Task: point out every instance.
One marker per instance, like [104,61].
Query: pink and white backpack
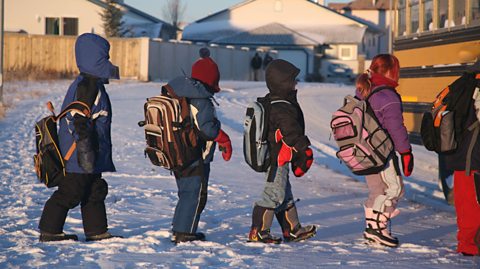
[364,145]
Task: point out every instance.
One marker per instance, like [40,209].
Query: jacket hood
[92,56]
[190,88]
[280,77]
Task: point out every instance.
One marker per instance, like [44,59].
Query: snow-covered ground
[142,197]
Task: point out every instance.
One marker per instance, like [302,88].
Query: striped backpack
[364,146]
[170,132]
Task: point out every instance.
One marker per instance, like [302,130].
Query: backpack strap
[475,127]
[75,106]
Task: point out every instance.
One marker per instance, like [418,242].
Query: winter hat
[280,77]
[206,70]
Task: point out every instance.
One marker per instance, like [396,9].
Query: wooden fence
[57,54]
[138,58]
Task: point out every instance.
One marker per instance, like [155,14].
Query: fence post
[144,59]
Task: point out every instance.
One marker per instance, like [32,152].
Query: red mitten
[224,145]
[407,162]
[303,161]
[285,154]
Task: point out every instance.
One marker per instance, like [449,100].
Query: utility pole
[1,54]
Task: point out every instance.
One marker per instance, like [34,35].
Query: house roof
[132,10]
[273,34]
[362,5]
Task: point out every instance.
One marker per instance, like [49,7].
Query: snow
[142,197]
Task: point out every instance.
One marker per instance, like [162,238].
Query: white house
[373,11]
[74,17]
[312,36]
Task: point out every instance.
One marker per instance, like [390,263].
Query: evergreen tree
[112,19]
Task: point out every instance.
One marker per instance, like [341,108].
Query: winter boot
[291,229]
[49,237]
[187,237]
[103,236]
[377,224]
[261,222]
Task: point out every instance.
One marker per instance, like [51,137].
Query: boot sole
[279,241]
[375,239]
[58,239]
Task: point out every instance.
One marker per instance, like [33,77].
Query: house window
[346,52]
[70,26]
[52,26]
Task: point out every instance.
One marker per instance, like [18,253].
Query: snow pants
[192,186]
[385,188]
[88,190]
[468,213]
[277,193]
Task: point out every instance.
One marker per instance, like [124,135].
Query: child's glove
[407,162]
[224,145]
[302,162]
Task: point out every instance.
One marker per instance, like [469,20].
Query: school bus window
[459,17]
[475,15]
[414,16]
[428,15]
[402,14]
[443,13]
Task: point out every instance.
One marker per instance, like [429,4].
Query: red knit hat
[206,70]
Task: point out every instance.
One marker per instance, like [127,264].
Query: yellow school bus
[435,42]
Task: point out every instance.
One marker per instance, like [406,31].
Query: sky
[196,9]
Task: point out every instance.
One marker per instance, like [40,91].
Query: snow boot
[103,236]
[49,237]
[187,237]
[377,224]
[261,222]
[291,229]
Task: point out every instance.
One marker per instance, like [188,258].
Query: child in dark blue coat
[85,144]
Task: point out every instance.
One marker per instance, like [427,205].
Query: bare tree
[174,11]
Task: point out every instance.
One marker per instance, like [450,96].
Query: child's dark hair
[384,64]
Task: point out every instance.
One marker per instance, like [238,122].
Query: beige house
[74,17]
[373,11]
[314,37]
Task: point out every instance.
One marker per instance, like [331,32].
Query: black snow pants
[88,190]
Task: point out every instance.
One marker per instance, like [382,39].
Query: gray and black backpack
[255,132]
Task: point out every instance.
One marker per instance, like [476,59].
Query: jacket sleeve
[87,92]
[285,118]
[205,118]
[393,122]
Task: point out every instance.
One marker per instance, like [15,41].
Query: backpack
[444,124]
[255,132]
[364,146]
[170,131]
[48,160]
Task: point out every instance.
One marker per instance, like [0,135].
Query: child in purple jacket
[386,187]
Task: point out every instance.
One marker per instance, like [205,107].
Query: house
[314,37]
[56,17]
[373,11]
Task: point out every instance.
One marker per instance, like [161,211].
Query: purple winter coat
[388,109]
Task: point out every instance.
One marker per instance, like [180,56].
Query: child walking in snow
[465,162]
[192,182]
[377,85]
[288,144]
[86,146]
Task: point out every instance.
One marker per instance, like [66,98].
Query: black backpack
[49,162]
[445,123]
